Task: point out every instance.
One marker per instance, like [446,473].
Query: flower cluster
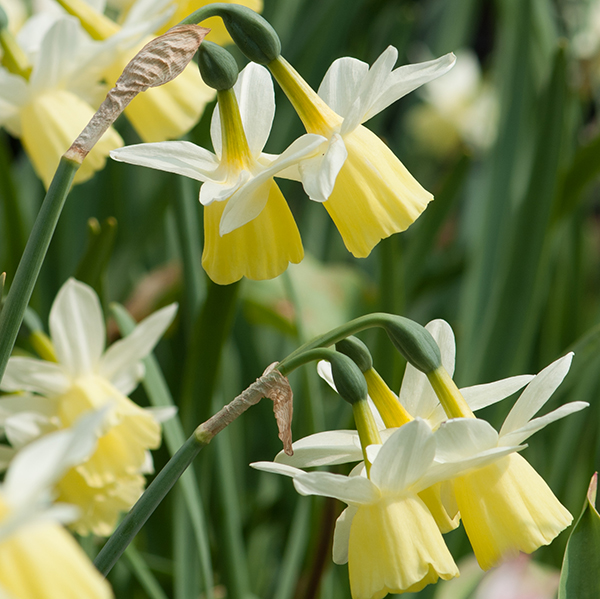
[428,472]
[82,377]
[57,69]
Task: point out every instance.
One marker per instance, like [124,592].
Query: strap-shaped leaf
[579,576]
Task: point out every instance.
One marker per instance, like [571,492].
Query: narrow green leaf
[579,576]
[143,573]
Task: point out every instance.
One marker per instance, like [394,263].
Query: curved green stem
[31,262]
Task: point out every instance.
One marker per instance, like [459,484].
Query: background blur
[508,253]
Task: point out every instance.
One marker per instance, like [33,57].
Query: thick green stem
[33,257]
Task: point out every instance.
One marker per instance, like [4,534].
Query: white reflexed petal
[441,471]
[536,394]
[77,327]
[323,449]
[219,191]
[443,334]
[275,468]
[123,355]
[249,200]
[179,157]
[324,371]
[341,84]
[481,396]
[24,427]
[256,100]
[372,84]
[459,438]
[14,405]
[39,465]
[405,79]
[147,466]
[244,206]
[533,426]
[162,414]
[341,535]
[417,394]
[404,457]
[318,174]
[353,491]
[126,381]
[37,376]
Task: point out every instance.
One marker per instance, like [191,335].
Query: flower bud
[349,380]
[357,351]
[252,34]
[415,343]
[218,67]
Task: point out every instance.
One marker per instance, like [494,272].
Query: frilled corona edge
[157,63]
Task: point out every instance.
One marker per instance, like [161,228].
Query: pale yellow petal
[507,507]
[432,499]
[42,561]
[218,33]
[260,249]
[168,111]
[100,506]
[374,195]
[50,123]
[396,546]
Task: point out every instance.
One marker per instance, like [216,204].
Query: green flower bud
[415,343]
[218,67]
[252,34]
[357,351]
[349,380]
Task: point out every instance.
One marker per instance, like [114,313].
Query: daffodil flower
[48,107]
[248,227]
[387,535]
[367,191]
[39,559]
[86,377]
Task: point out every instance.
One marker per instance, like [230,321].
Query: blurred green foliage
[508,253]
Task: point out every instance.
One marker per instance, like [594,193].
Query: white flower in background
[387,535]
[48,107]
[248,227]
[458,107]
[39,559]
[87,377]
[367,191]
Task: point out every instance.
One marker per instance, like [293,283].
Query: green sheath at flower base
[355,349]
[349,380]
[414,342]
[252,34]
[217,67]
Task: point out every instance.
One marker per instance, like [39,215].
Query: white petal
[536,394]
[481,396]
[23,428]
[219,191]
[371,88]
[162,414]
[19,403]
[342,82]
[126,381]
[37,376]
[459,438]
[324,371]
[40,464]
[318,174]
[180,157]
[323,449]
[124,354]
[416,393]
[440,471]
[406,79]
[275,468]
[341,535]
[77,327]
[352,490]
[256,99]
[248,201]
[533,426]
[404,457]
